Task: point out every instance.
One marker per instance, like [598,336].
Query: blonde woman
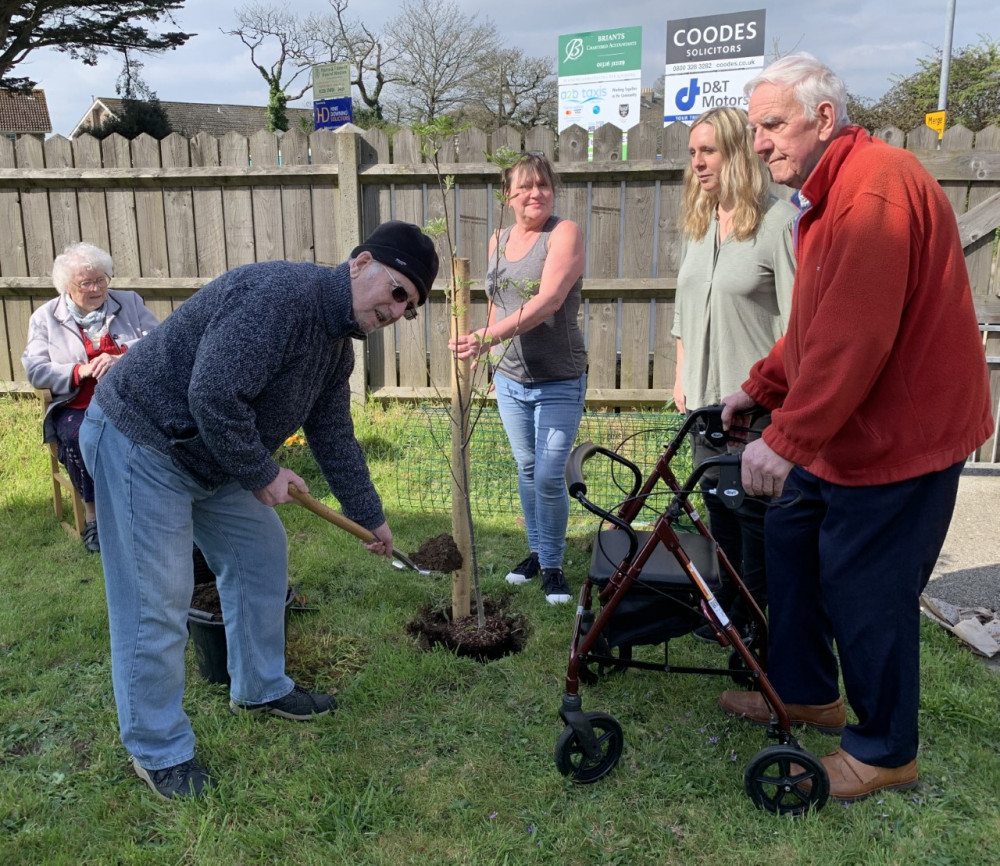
[734,291]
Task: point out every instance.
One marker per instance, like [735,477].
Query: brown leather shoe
[851,780]
[825,718]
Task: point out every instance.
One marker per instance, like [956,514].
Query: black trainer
[525,570]
[89,537]
[554,586]
[182,780]
[747,633]
[298,705]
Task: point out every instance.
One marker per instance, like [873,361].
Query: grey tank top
[551,351]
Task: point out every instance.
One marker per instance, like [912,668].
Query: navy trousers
[847,565]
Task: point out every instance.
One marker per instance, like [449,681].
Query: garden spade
[400,560]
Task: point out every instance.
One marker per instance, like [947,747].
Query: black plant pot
[208,635]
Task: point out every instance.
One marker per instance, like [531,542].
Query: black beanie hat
[405,248]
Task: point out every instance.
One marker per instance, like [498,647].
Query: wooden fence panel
[63,208]
[209,213]
[323,202]
[473,206]
[122,223]
[268,233]
[639,230]
[37,220]
[178,215]
[13,261]
[408,205]
[194,209]
[237,203]
[91,201]
[178,211]
[981,255]
[957,191]
[296,202]
[376,207]
[149,215]
[664,350]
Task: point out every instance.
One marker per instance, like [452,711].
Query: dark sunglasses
[401,296]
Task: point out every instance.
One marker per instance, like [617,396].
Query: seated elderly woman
[73,340]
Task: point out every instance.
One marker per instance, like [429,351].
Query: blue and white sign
[332,95]
[709,62]
[331,113]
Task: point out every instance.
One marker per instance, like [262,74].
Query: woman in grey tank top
[534,283]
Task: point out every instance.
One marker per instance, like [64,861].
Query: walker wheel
[786,780]
[571,759]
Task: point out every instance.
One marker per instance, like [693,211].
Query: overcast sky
[866,43]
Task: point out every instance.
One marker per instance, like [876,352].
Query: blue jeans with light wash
[541,421]
[150,512]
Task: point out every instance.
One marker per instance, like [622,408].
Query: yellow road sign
[935,120]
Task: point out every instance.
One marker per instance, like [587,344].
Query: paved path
[968,570]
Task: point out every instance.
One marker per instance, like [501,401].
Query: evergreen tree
[83,30]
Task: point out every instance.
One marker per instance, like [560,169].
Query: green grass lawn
[431,758]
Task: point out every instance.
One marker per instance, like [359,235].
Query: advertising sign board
[600,75]
[332,95]
[709,61]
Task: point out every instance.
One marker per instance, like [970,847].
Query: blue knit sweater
[253,356]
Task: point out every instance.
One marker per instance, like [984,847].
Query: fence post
[349,191]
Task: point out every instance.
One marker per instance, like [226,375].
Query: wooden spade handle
[328,514]
[338,519]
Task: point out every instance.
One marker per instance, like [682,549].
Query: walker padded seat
[662,603]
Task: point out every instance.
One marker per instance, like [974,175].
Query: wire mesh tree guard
[423,480]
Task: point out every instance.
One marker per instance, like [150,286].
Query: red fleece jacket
[881,375]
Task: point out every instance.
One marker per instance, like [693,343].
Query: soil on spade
[503,633]
[439,554]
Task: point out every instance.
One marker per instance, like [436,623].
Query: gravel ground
[968,571]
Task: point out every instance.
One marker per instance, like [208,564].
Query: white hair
[77,257]
[813,82]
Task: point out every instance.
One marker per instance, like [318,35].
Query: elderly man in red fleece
[878,393]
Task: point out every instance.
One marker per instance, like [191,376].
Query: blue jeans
[848,564]
[541,421]
[150,514]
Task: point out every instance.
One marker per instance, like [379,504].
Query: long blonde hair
[744,177]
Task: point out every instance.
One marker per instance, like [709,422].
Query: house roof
[24,112]
[190,118]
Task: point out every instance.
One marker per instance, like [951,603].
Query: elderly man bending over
[179,439]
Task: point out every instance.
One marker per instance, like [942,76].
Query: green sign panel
[600,51]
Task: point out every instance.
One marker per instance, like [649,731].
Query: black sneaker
[89,537]
[298,705]
[705,633]
[554,586]
[182,780]
[747,633]
[524,570]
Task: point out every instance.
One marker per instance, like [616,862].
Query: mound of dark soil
[502,634]
[438,554]
[206,599]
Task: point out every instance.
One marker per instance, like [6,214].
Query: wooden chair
[61,483]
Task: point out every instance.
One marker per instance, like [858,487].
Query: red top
[107,346]
[881,375]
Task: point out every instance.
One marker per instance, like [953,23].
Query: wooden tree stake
[461,400]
